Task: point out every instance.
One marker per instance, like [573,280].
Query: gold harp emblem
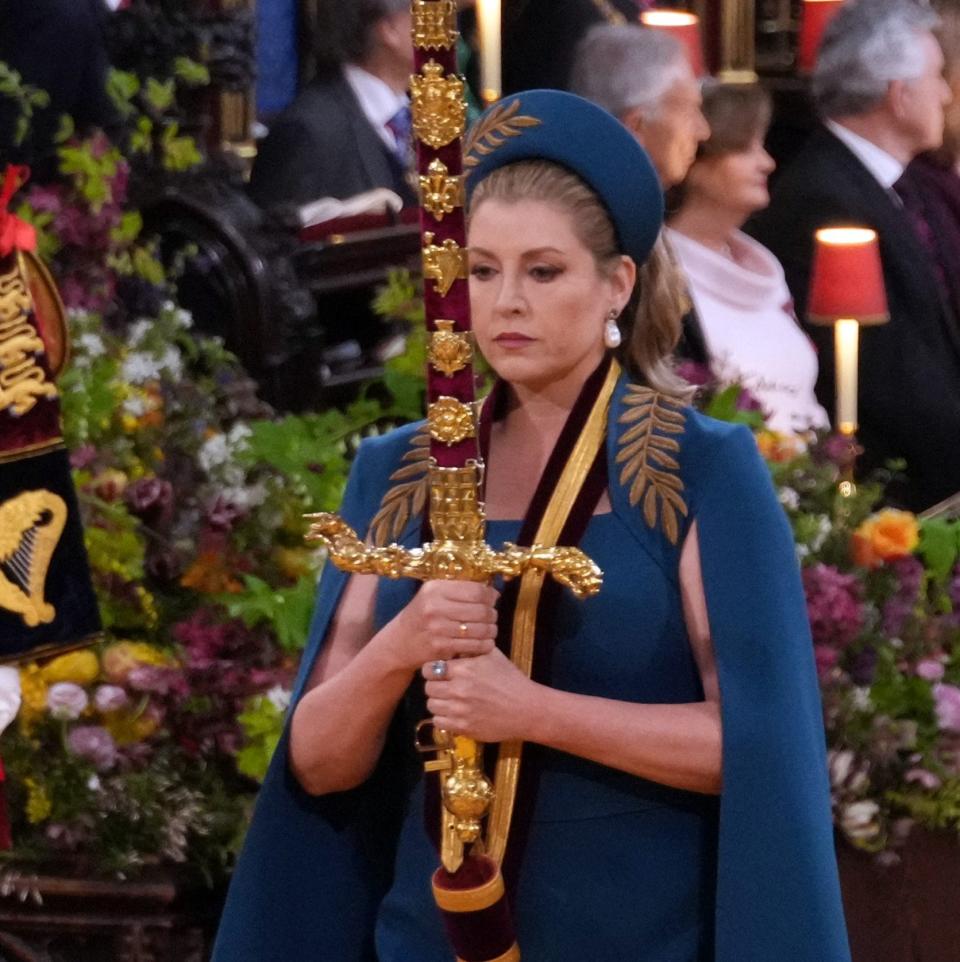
[449,351]
[30,527]
[450,420]
[440,192]
[439,110]
[443,263]
[434,24]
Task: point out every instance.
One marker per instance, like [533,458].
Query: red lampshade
[847,278]
[685,27]
[814,17]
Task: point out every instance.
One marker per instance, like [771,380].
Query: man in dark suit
[879,89]
[348,132]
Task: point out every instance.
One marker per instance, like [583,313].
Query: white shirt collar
[377,101]
[884,167]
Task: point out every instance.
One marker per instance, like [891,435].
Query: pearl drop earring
[611,332]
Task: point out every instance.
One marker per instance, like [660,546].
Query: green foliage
[262,723]
[723,407]
[191,73]
[179,153]
[939,545]
[27,98]
[90,171]
[938,810]
[286,610]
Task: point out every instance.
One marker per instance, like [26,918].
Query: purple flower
[839,449]
[157,680]
[93,744]
[83,456]
[748,401]
[222,514]
[694,373]
[826,659]
[150,499]
[864,667]
[66,700]
[929,669]
[947,698]
[110,698]
[898,608]
[833,605]
[922,777]
[163,564]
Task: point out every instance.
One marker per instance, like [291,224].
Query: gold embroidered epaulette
[647,450]
[407,495]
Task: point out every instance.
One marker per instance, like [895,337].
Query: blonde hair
[652,321]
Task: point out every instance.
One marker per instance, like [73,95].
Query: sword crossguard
[452,560]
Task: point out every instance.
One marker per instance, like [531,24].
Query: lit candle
[488,28]
[847,351]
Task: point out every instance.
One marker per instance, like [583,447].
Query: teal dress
[615,867]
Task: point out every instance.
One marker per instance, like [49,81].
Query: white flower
[840,763]
[213,452]
[789,498]
[183,319]
[172,363]
[859,820]
[135,405]
[860,697]
[66,701]
[279,697]
[93,783]
[801,551]
[139,368]
[820,535]
[138,331]
[245,497]
[238,435]
[90,344]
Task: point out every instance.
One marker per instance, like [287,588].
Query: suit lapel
[371,152]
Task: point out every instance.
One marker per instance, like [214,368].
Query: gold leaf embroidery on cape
[407,497]
[648,455]
[488,133]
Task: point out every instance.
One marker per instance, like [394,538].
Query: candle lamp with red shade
[847,292]
[814,17]
[685,27]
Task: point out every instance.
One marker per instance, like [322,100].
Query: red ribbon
[15,233]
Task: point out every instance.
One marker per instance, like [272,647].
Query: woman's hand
[445,620]
[487,698]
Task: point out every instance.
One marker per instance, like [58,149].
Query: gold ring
[463,630]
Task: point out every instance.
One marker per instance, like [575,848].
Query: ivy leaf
[122,87]
[179,153]
[192,74]
[159,94]
[939,546]
[65,130]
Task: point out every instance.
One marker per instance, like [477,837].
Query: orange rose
[778,447]
[884,536]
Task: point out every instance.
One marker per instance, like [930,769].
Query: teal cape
[314,870]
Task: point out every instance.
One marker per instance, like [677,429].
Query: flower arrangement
[147,748]
[883,595]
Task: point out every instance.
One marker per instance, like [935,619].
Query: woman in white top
[737,285]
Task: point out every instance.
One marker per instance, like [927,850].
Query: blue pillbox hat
[560,127]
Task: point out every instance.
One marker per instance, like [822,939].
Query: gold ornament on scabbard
[438,106]
[451,421]
[434,24]
[440,192]
[443,263]
[449,351]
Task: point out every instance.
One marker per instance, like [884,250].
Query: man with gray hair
[349,130]
[880,94]
[644,79]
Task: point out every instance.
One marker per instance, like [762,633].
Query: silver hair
[623,67]
[868,44]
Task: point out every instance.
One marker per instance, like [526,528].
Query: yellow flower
[128,726]
[80,667]
[121,658]
[777,447]
[33,695]
[884,536]
[39,805]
